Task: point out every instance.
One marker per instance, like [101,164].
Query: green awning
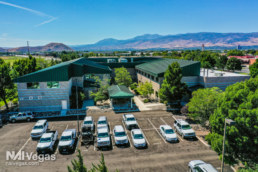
[119,91]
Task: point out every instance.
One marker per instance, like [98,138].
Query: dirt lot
[159,156]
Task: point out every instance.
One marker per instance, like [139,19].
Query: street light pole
[223,148]
[230,122]
[78,130]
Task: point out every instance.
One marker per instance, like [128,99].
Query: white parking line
[127,134]
[157,131]
[66,126]
[179,137]
[146,139]
[110,129]
[24,144]
[203,141]
[148,129]
[163,120]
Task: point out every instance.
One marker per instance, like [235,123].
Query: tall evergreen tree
[5,81]
[172,89]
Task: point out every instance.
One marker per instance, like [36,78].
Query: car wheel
[13,120]
[28,119]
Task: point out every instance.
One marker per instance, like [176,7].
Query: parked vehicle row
[48,140]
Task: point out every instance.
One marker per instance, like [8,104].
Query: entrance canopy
[119,91]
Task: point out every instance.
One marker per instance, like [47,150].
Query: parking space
[160,155]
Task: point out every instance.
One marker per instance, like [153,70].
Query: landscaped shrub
[146,100]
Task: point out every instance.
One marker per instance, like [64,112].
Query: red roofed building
[245,59]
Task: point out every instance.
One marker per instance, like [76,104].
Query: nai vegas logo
[23,158]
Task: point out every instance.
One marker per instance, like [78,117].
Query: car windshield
[131,119]
[169,131]
[87,122]
[120,134]
[186,127]
[102,122]
[138,136]
[45,140]
[66,138]
[100,135]
[37,127]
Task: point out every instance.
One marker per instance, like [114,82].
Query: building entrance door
[64,104]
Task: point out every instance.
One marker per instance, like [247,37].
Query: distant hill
[45,48]
[2,50]
[179,41]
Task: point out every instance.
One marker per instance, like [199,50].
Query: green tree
[123,77]
[234,64]
[221,62]
[203,103]
[101,167]
[254,69]
[102,93]
[235,53]
[145,89]
[172,89]
[6,83]
[78,165]
[239,103]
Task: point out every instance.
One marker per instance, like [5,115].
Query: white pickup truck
[67,141]
[130,121]
[47,142]
[184,129]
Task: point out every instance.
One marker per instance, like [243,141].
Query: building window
[33,85]
[52,84]
[30,98]
[152,78]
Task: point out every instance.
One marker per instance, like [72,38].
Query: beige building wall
[155,85]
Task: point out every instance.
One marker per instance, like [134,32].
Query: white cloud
[50,18]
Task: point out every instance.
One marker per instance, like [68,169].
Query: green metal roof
[64,71]
[119,91]
[157,68]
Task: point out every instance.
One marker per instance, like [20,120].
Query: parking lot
[159,156]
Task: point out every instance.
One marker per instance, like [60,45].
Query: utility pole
[230,122]
[78,130]
[28,48]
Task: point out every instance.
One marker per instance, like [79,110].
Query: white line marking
[66,126]
[163,120]
[173,117]
[233,168]
[157,143]
[179,137]
[110,129]
[146,138]
[149,129]
[127,134]
[24,144]
[203,141]
[94,148]
[157,131]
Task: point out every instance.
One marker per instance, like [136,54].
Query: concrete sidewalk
[148,106]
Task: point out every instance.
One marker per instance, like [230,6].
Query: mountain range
[46,48]
[155,41]
[179,41]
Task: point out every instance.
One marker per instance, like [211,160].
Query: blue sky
[75,22]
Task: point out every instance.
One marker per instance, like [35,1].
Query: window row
[153,78]
[35,85]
